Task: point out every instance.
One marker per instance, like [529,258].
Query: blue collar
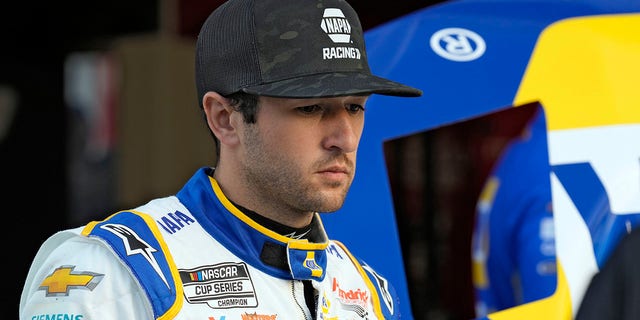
[275,254]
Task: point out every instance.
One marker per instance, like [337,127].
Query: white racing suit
[196,256]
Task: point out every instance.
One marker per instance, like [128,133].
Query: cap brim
[333,85]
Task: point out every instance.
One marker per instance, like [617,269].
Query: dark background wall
[35,39]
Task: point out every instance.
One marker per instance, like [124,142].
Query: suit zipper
[302,307]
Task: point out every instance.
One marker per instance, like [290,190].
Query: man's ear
[218,111]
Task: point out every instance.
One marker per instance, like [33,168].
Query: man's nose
[344,132]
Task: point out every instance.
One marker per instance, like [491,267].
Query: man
[513,246]
[282,84]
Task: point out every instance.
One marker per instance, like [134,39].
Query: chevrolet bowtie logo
[61,280]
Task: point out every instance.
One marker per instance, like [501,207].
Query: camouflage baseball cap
[289,49]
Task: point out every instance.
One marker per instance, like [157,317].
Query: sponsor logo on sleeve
[56,316]
[332,249]
[174,222]
[220,286]
[64,278]
[135,245]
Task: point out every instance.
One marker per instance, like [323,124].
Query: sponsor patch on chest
[221,286]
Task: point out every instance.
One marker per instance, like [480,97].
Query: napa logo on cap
[337,27]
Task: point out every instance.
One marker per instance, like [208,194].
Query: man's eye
[310,109]
[355,108]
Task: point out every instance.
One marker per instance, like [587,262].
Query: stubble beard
[274,177]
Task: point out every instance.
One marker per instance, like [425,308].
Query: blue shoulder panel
[140,245]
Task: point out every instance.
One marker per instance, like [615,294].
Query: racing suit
[197,256]
[513,246]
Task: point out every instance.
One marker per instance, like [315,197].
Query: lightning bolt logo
[135,245]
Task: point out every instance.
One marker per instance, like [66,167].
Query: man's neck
[240,196]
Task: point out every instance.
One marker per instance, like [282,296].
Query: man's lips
[335,170]
[335,174]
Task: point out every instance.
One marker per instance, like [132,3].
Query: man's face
[301,153]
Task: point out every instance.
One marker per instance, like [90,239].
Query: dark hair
[242,102]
